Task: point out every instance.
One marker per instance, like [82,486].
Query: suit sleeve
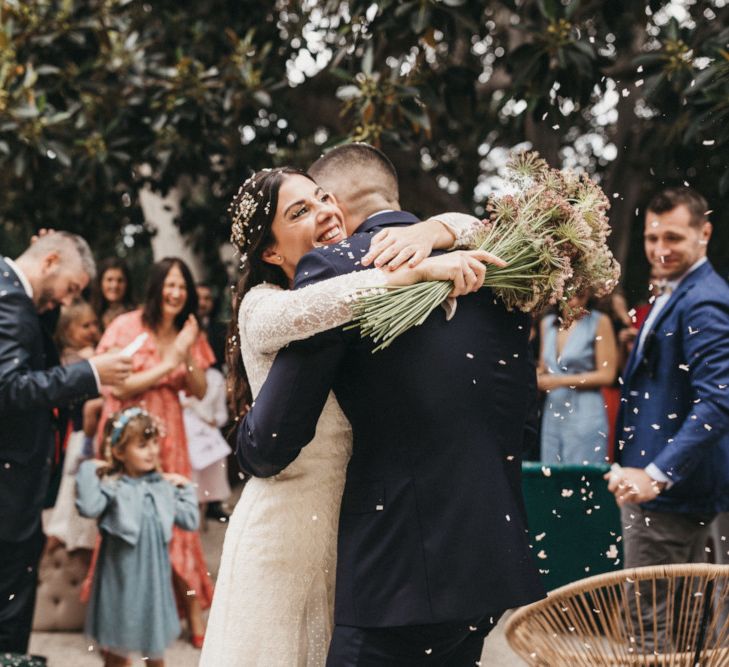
[530,440]
[706,350]
[21,387]
[284,415]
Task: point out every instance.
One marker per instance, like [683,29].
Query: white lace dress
[273,602]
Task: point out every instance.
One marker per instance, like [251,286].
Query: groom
[432,535]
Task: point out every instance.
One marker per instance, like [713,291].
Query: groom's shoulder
[330,261]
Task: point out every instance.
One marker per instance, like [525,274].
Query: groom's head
[361,177]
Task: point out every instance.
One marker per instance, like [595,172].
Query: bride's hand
[465,268]
[394,246]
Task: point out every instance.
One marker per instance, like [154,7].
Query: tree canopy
[101,97]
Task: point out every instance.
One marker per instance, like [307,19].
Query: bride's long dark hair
[260,193]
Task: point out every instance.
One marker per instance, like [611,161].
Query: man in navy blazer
[673,423]
[50,272]
[433,542]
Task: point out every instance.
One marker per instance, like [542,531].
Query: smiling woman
[173,358]
[307,217]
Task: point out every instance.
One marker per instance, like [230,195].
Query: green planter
[574,522]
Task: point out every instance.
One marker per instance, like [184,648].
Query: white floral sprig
[553,236]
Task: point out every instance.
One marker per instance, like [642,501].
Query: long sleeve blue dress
[132,606]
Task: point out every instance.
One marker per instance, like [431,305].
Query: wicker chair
[617,619]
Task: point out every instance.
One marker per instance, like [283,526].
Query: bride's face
[306,217]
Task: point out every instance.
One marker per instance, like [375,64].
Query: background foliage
[100,97]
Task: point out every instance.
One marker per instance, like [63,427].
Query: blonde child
[132,606]
[77,334]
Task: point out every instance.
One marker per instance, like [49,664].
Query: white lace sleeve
[271,318]
[466,228]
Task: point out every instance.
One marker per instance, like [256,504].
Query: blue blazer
[29,389]
[674,409]
[432,526]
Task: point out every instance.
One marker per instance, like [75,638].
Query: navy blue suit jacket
[674,410]
[29,389]
[432,525]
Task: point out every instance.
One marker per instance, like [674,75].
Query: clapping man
[52,271]
[673,424]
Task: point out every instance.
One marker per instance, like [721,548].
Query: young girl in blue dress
[132,606]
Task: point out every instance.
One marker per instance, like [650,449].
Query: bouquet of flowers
[553,235]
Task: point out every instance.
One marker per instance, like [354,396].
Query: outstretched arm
[271,318]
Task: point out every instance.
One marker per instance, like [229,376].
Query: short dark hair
[353,156]
[669,198]
[152,311]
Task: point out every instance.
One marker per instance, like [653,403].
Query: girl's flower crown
[121,422]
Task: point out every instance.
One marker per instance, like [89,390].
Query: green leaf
[571,8]
[367,60]
[420,19]
[585,49]
[549,8]
[649,59]
[60,152]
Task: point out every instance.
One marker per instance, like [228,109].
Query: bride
[273,599]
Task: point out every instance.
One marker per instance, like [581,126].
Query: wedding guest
[615,306]
[575,364]
[132,606]
[111,294]
[673,426]
[77,334]
[208,449]
[172,358]
[207,314]
[52,271]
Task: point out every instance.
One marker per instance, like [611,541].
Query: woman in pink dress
[173,358]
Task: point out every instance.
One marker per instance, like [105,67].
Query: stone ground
[72,649]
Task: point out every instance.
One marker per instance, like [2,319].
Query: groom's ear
[270,256]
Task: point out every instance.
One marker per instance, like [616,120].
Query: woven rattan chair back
[663,616]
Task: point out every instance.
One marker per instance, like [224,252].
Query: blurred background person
[173,358]
[111,294]
[208,449]
[77,335]
[627,336]
[207,314]
[575,364]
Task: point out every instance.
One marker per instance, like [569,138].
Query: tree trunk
[160,213]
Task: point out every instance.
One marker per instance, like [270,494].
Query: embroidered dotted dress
[273,602]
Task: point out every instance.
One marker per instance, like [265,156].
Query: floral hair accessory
[242,211]
[121,422]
